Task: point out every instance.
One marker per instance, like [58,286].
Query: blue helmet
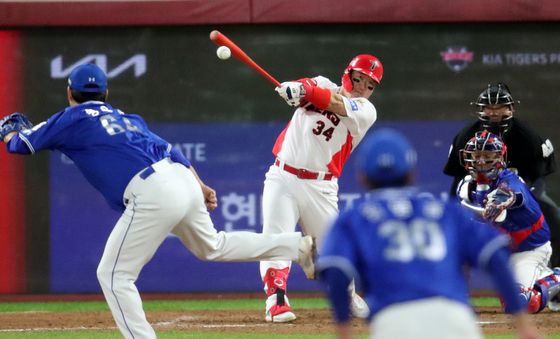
[88,78]
[386,156]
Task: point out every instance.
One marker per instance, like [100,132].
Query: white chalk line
[174,322]
[234,325]
[191,320]
[491,322]
[51,329]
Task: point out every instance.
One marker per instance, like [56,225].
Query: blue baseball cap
[88,78]
[386,156]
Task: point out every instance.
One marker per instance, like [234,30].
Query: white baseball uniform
[532,265]
[302,184]
[426,318]
[134,170]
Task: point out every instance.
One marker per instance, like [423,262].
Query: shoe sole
[281,318]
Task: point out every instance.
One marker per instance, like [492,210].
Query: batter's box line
[491,322]
[177,320]
[47,329]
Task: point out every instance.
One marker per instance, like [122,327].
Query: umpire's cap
[386,156]
[88,78]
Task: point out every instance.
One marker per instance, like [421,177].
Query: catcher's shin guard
[549,287]
[536,301]
[277,305]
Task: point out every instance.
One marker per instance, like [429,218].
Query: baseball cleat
[278,309]
[358,306]
[307,253]
[280,314]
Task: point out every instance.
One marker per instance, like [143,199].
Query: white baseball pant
[171,200]
[435,318]
[530,266]
[288,200]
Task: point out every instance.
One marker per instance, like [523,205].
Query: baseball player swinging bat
[221,40]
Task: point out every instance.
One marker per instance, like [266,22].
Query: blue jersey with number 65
[108,146]
[404,246]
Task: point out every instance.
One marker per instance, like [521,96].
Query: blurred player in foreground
[506,201]
[154,186]
[301,187]
[408,249]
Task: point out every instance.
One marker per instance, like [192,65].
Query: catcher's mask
[484,156]
[366,64]
[495,96]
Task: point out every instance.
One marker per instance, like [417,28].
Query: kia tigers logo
[457,58]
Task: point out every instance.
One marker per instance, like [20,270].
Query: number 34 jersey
[108,146]
[404,246]
[319,140]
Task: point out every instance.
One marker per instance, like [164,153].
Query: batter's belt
[303,173]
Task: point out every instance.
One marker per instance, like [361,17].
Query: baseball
[223,52]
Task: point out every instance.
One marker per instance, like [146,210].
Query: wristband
[318,96]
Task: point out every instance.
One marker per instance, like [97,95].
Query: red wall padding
[193,12]
[12,175]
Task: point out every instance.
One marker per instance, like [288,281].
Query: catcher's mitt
[498,200]
[14,122]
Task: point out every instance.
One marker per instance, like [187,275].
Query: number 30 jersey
[108,146]
[319,140]
[404,246]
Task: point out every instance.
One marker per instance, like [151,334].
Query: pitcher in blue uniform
[152,184]
[506,201]
[408,250]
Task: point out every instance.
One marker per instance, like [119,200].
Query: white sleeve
[361,114]
[325,83]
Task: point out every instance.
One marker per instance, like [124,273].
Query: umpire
[527,152]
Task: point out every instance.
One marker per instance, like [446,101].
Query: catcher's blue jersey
[525,221]
[403,247]
[108,146]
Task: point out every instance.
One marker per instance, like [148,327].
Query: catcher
[503,199]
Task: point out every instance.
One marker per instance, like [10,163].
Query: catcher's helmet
[495,95]
[386,157]
[484,156]
[366,64]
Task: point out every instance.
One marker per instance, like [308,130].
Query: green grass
[180,305]
[153,305]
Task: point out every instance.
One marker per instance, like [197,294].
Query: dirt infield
[493,321]
[309,321]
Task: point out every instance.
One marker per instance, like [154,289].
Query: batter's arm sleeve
[361,115]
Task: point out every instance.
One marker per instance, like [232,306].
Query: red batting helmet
[366,64]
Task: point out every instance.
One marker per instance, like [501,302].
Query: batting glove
[292,92]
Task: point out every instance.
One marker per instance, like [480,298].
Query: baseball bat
[222,40]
